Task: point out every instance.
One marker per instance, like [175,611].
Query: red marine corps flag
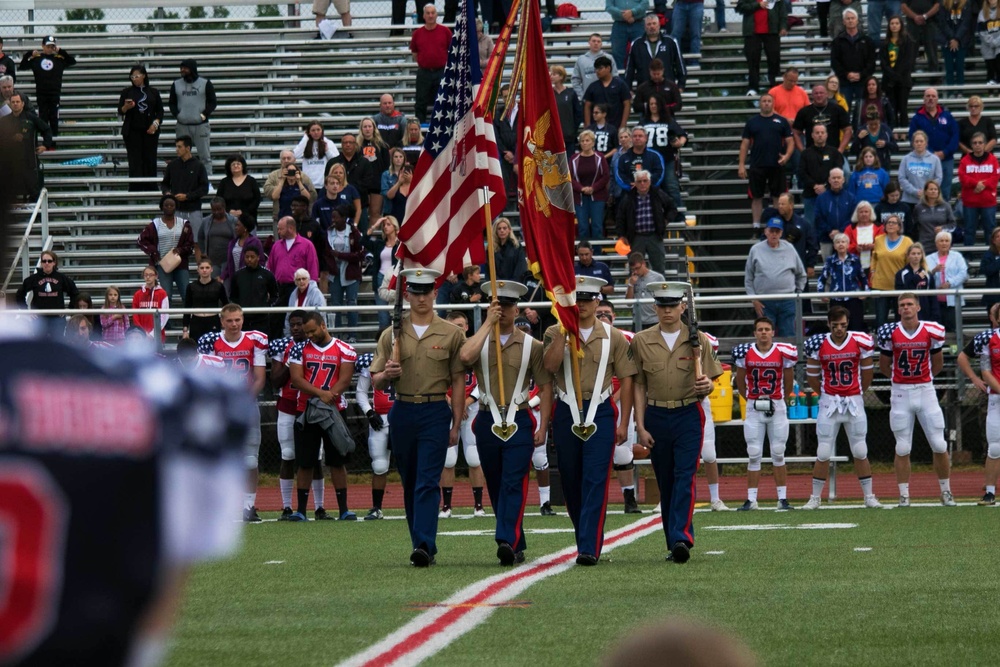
[545,192]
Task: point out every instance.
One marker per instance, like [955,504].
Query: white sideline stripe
[862,548]
[478,615]
[781,526]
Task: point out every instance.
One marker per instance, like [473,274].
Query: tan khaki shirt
[669,375]
[428,362]
[512,352]
[619,360]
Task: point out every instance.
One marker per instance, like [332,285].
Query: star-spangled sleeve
[295,356]
[813,345]
[884,337]
[206,344]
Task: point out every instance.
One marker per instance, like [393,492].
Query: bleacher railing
[39,214]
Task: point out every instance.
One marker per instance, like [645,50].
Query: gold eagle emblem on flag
[546,174]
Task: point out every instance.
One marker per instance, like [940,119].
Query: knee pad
[826,439]
[380,465]
[378,449]
[993,451]
[451,458]
[540,459]
[778,456]
[708,454]
[755,453]
[286,436]
[937,442]
[251,461]
[623,457]
[471,456]
[857,436]
[932,421]
[859,450]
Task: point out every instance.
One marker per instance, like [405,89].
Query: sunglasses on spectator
[48,261]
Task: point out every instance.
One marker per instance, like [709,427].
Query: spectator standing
[568,105]
[956,32]
[931,216]
[606,137]
[141,109]
[207,293]
[584,72]
[876,135]
[305,296]
[239,189]
[951,272]
[113,325]
[842,272]
[989,268]
[186,179]
[888,257]
[152,295]
[215,236]
[917,167]
[591,175]
[814,170]
[834,208]
[508,144]
[832,85]
[852,57]
[383,248]
[872,96]
[823,112]
[637,158]
[764,24]
[337,191]
[973,123]
[6,90]
[988,29]
[390,122]
[877,10]
[687,21]
[321,7]
[313,151]
[509,257]
[773,267]
[915,277]
[922,26]
[360,173]
[789,98]
[48,66]
[391,183]
[979,176]
[642,219]
[797,230]
[609,91]
[192,101]
[667,138]
[862,232]
[429,45]
[615,193]
[344,266]
[767,139]
[897,58]
[838,8]
[49,288]
[485,44]
[657,83]
[892,204]
[374,149]
[238,245]
[25,128]
[652,45]
[586,265]
[284,192]
[168,241]
[640,285]
[413,142]
[628,18]
[290,253]
[253,286]
[869,179]
[277,180]
[7,65]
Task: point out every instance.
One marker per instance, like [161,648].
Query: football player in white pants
[378,430]
[839,369]
[912,357]
[764,377]
[986,347]
[708,445]
[540,458]
[623,462]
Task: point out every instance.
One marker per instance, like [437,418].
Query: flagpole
[492,263]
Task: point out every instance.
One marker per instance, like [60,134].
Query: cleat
[297,516]
[250,515]
[873,503]
[988,500]
[814,503]
[420,558]
[719,506]
[479,511]
[904,501]
[586,560]
[546,509]
[680,553]
[285,513]
[747,506]
[506,554]
[322,515]
[346,516]
[947,499]
[374,514]
[631,506]
[657,509]
[783,505]
[445,513]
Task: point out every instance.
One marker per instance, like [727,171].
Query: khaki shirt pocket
[438,354]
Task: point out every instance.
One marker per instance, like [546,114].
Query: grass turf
[923,594]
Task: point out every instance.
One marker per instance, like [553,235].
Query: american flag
[445,210]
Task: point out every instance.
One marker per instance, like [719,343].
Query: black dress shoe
[586,559]
[518,557]
[420,558]
[680,553]
[506,554]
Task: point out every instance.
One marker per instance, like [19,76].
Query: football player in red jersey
[244,353]
[320,367]
[986,347]
[288,400]
[912,357]
[764,377]
[839,369]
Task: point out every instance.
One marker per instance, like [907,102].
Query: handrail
[41,208]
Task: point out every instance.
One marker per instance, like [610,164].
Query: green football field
[836,586]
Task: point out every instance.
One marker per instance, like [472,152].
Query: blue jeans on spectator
[623,34]
[851,90]
[877,10]
[590,218]
[687,17]
[973,216]
[384,316]
[947,169]
[809,210]
[782,313]
[672,185]
[345,295]
[720,14]
[179,278]
[954,65]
